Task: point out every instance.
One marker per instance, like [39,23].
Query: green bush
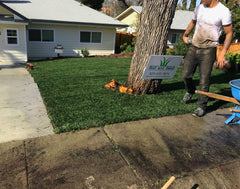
[233,58]
[125,48]
[128,48]
[170,52]
[85,52]
[180,48]
[237,57]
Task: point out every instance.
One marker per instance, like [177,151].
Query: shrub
[180,48]
[237,57]
[170,52]
[233,58]
[85,52]
[126,48]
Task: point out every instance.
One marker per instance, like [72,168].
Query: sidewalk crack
[117,149]
[26,163]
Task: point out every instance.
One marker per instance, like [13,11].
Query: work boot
[199,112]
[187,97]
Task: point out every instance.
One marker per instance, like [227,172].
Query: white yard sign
[161,67]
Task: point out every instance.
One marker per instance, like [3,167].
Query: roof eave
[137,11]
[76,23]
[12,22]
[13,11]
[176,28]
[123,13]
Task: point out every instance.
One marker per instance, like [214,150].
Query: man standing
[209,18]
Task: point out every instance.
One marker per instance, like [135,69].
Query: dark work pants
[204,59]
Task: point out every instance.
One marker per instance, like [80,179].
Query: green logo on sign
[162,66]
[164,62]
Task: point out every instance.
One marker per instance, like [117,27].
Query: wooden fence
[234,48]
[122,38]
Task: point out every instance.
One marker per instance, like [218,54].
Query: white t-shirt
[209,24]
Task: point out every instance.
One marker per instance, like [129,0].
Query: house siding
[10,54]
[132,20]
[4,11]
[170,33]
[69,38]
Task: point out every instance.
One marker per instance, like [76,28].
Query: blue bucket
[235,88]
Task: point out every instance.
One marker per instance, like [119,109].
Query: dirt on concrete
[198,152]
[83,159]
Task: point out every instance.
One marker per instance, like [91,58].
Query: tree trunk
[155,22]
[121,6]
[193,5]
[184,3]
[124,3]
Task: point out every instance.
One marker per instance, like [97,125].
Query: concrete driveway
[22,112]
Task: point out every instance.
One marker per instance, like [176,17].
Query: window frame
[7,37]
[41,30]
[90,31]
[177,38]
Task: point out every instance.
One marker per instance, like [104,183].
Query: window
[90,37]
[96,37]
[85,37]
[35,35]
[47,35]
[174,38]
[41,35]
[12,36]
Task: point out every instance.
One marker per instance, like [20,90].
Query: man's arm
[189,29]
[227,42]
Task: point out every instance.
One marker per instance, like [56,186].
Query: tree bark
[155,21]
[124,3]
[184,3]
[193,5]
[121,6]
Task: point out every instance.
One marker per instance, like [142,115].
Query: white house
[180,22]
[32,29]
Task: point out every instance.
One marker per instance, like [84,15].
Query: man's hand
[221,61]
[185,39]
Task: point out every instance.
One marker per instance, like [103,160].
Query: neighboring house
[180,22]
[31,29]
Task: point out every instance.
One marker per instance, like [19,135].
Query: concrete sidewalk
[199,152]
[22,112]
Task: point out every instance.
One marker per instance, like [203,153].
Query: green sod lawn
[74,94]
